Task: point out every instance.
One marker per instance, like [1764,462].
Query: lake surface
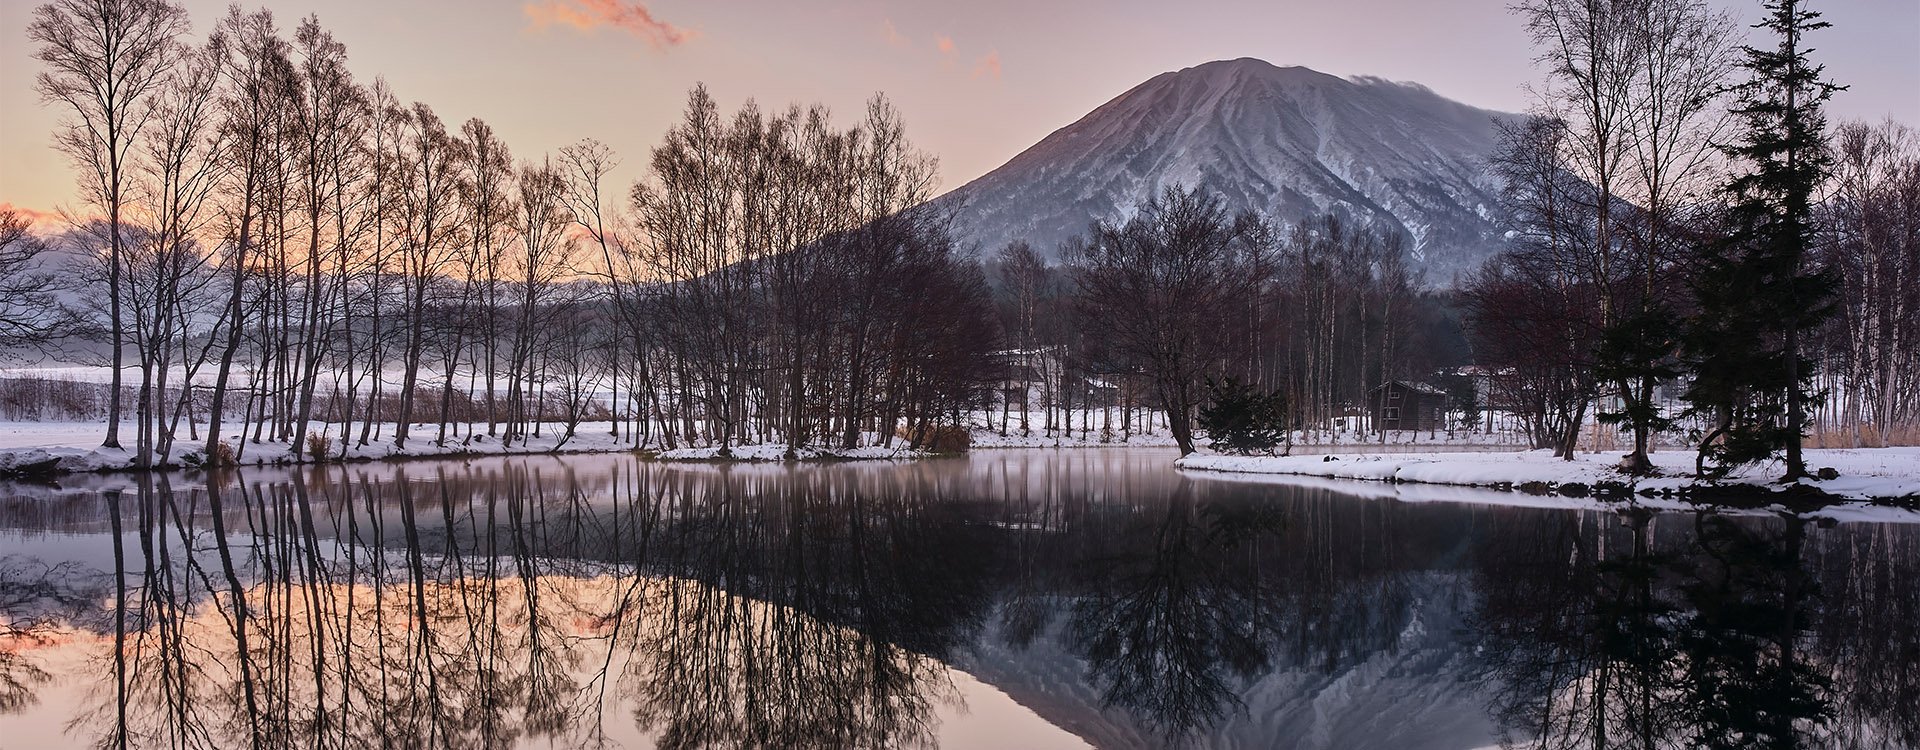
[1033,598]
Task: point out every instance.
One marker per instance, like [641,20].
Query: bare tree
[428,217]
[586,165]
[170,273]
[31,315]
[1682,53]
[1534,309]
[490,214]
[546,254]
[104,59]
[256,70]
[1152,289]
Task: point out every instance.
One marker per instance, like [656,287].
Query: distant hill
[1289,142]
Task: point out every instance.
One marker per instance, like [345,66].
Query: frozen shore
[41,448]
[74,447]
[1884,476]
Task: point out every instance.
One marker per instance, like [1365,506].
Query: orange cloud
[587,15]
[945,43]
[43,221]
[988,66]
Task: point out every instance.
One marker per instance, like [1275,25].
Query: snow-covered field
[1865,474]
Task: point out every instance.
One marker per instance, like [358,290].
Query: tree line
[1684,220]
[279,247]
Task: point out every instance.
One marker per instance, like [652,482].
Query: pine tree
[1637,351]
[1241,419]
[1756,295]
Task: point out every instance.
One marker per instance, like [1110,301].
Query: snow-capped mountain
[1289,142]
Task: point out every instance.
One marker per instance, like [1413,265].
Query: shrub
[319,446]
[938,438]
[221,455]
[1240,419]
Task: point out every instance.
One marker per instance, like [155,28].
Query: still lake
[1007,599]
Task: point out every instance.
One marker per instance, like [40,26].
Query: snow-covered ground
[75,446]
[1039,439]
[778,452]
[1865,474]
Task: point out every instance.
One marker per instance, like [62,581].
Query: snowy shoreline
[43,449]
[1877,477]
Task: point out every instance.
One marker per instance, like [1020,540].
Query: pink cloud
[944,43]
[43,221]
[628,16]
[893,36]
[988,66]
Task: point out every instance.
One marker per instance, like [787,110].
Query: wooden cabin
[1407,405]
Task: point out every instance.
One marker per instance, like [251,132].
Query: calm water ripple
[1008,599]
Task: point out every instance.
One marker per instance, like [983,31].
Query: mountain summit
[1291,143]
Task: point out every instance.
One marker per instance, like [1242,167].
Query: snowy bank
[73,447]
[1878,475]
[778,452]
[983,438]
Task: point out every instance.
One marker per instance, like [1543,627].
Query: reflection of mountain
[829,606]
[1406,695]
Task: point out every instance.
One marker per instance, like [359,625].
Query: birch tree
[104,60]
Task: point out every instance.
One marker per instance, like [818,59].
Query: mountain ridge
[1289,142]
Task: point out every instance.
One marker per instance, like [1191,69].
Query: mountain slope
[1289,142]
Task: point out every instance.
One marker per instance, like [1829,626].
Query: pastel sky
[977,81]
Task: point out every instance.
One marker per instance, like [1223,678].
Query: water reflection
[609,602]
[1700,631]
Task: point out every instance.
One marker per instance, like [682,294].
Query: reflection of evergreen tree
[1597,638]
[1577,641]
[1751,603]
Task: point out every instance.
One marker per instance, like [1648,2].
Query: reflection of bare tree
[36,601]
[1578,650]
[1869,578]
[1172,622]
[338,640]
[809,614]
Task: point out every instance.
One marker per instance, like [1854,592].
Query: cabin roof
[1414,385]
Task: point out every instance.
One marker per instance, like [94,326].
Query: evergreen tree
[1240,419]
[1637,351]
[1757,297]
